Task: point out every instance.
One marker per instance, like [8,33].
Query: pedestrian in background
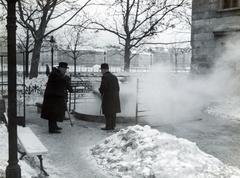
[54,102]
[109,90]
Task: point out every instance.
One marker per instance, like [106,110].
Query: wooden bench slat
[30,142]
[6,117]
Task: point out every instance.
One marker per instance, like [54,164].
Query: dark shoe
[58,128]
[54,131]
[105,128]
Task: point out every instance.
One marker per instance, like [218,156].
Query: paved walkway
[68,152]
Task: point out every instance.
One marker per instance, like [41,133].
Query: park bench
[39,107]
[29,143]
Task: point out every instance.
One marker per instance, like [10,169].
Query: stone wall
[210,27]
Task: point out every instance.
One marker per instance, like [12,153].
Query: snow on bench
[30,144]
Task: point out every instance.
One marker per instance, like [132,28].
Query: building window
[229,4]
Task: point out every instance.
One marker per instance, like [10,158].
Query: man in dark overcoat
[109,90]
[54,102]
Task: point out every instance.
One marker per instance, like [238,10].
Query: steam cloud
[178,97]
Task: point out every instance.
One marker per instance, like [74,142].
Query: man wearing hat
[109,90]
[54,102]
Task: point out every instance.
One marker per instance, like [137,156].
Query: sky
[102,39]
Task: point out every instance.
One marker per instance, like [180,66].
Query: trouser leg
[108,121]
[55,124]
[113,121]
[51,125]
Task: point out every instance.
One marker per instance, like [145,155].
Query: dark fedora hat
[63,65]
[104,66]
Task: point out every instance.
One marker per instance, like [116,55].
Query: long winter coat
[54,102]
[109,90]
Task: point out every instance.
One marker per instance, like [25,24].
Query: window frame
[221,5]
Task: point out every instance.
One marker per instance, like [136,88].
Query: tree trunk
[75,66]
[127,53]
[35,59]
[27,54]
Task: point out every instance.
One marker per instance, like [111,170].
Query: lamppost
[176,61]
[104,56]
[13,170]
[151,56]
[52,42]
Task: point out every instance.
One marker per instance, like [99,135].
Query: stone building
[213,21]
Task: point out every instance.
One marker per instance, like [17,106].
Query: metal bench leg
[22,154]
[41,165]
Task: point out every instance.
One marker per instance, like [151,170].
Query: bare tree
[3,15]
[75,39]
[135,21]
[24,38]
[37,16]
[3,12]
[25,44]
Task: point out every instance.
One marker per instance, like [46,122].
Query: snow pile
[26,170]
[144,152]
[228,108]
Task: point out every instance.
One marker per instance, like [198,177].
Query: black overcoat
[54,102]
[109,90]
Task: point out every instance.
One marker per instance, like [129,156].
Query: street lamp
[52,42]
[151,56]
[104,56]
[13,170]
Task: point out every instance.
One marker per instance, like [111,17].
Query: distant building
[91,57]
[212,22]
[144,59]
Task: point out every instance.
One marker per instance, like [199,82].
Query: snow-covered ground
[145,152]
[228,108]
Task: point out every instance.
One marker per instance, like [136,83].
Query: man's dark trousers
[110,121]
[52,125]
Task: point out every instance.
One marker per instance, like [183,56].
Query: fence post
[74,104]
[2,73]
[70,98]
[137,88]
